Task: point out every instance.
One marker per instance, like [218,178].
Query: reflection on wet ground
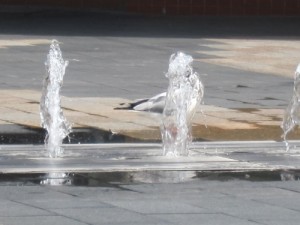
[114,179]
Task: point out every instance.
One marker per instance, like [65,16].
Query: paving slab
[206,156]
[264,56]
[213,123]
[247,77]
[197,200]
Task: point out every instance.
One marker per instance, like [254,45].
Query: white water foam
[52,118]
[185,92]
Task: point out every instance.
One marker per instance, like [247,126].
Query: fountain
[292,114]
[184,94]
[52,118]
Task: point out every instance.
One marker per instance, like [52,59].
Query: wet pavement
[219,183]
[247,67]
[198,202]
[203,156]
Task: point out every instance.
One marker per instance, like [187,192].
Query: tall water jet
[52,118]
[185,92]
[292,114]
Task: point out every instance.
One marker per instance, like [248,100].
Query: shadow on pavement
[68,23]
[17,134]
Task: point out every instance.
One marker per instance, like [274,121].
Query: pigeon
[155,104]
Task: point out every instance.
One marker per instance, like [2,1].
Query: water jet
[185,92]
[52,118]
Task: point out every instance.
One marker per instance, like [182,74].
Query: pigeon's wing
[154,104]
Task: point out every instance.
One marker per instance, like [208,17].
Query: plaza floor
[238,172]
[218,183]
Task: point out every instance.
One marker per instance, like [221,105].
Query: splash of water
[185,92]
[52,118]
[57,179]
[292,114]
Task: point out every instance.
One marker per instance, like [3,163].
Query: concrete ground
[203,156]
[247,67]
[243,183]
[196,202]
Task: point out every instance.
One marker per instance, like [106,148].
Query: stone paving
[259,55]
[196,202]
[247,77]
[212,123]
[203,156]
[220,183]
[114,59]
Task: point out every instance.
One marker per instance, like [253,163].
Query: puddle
[253,176]
[115,179]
